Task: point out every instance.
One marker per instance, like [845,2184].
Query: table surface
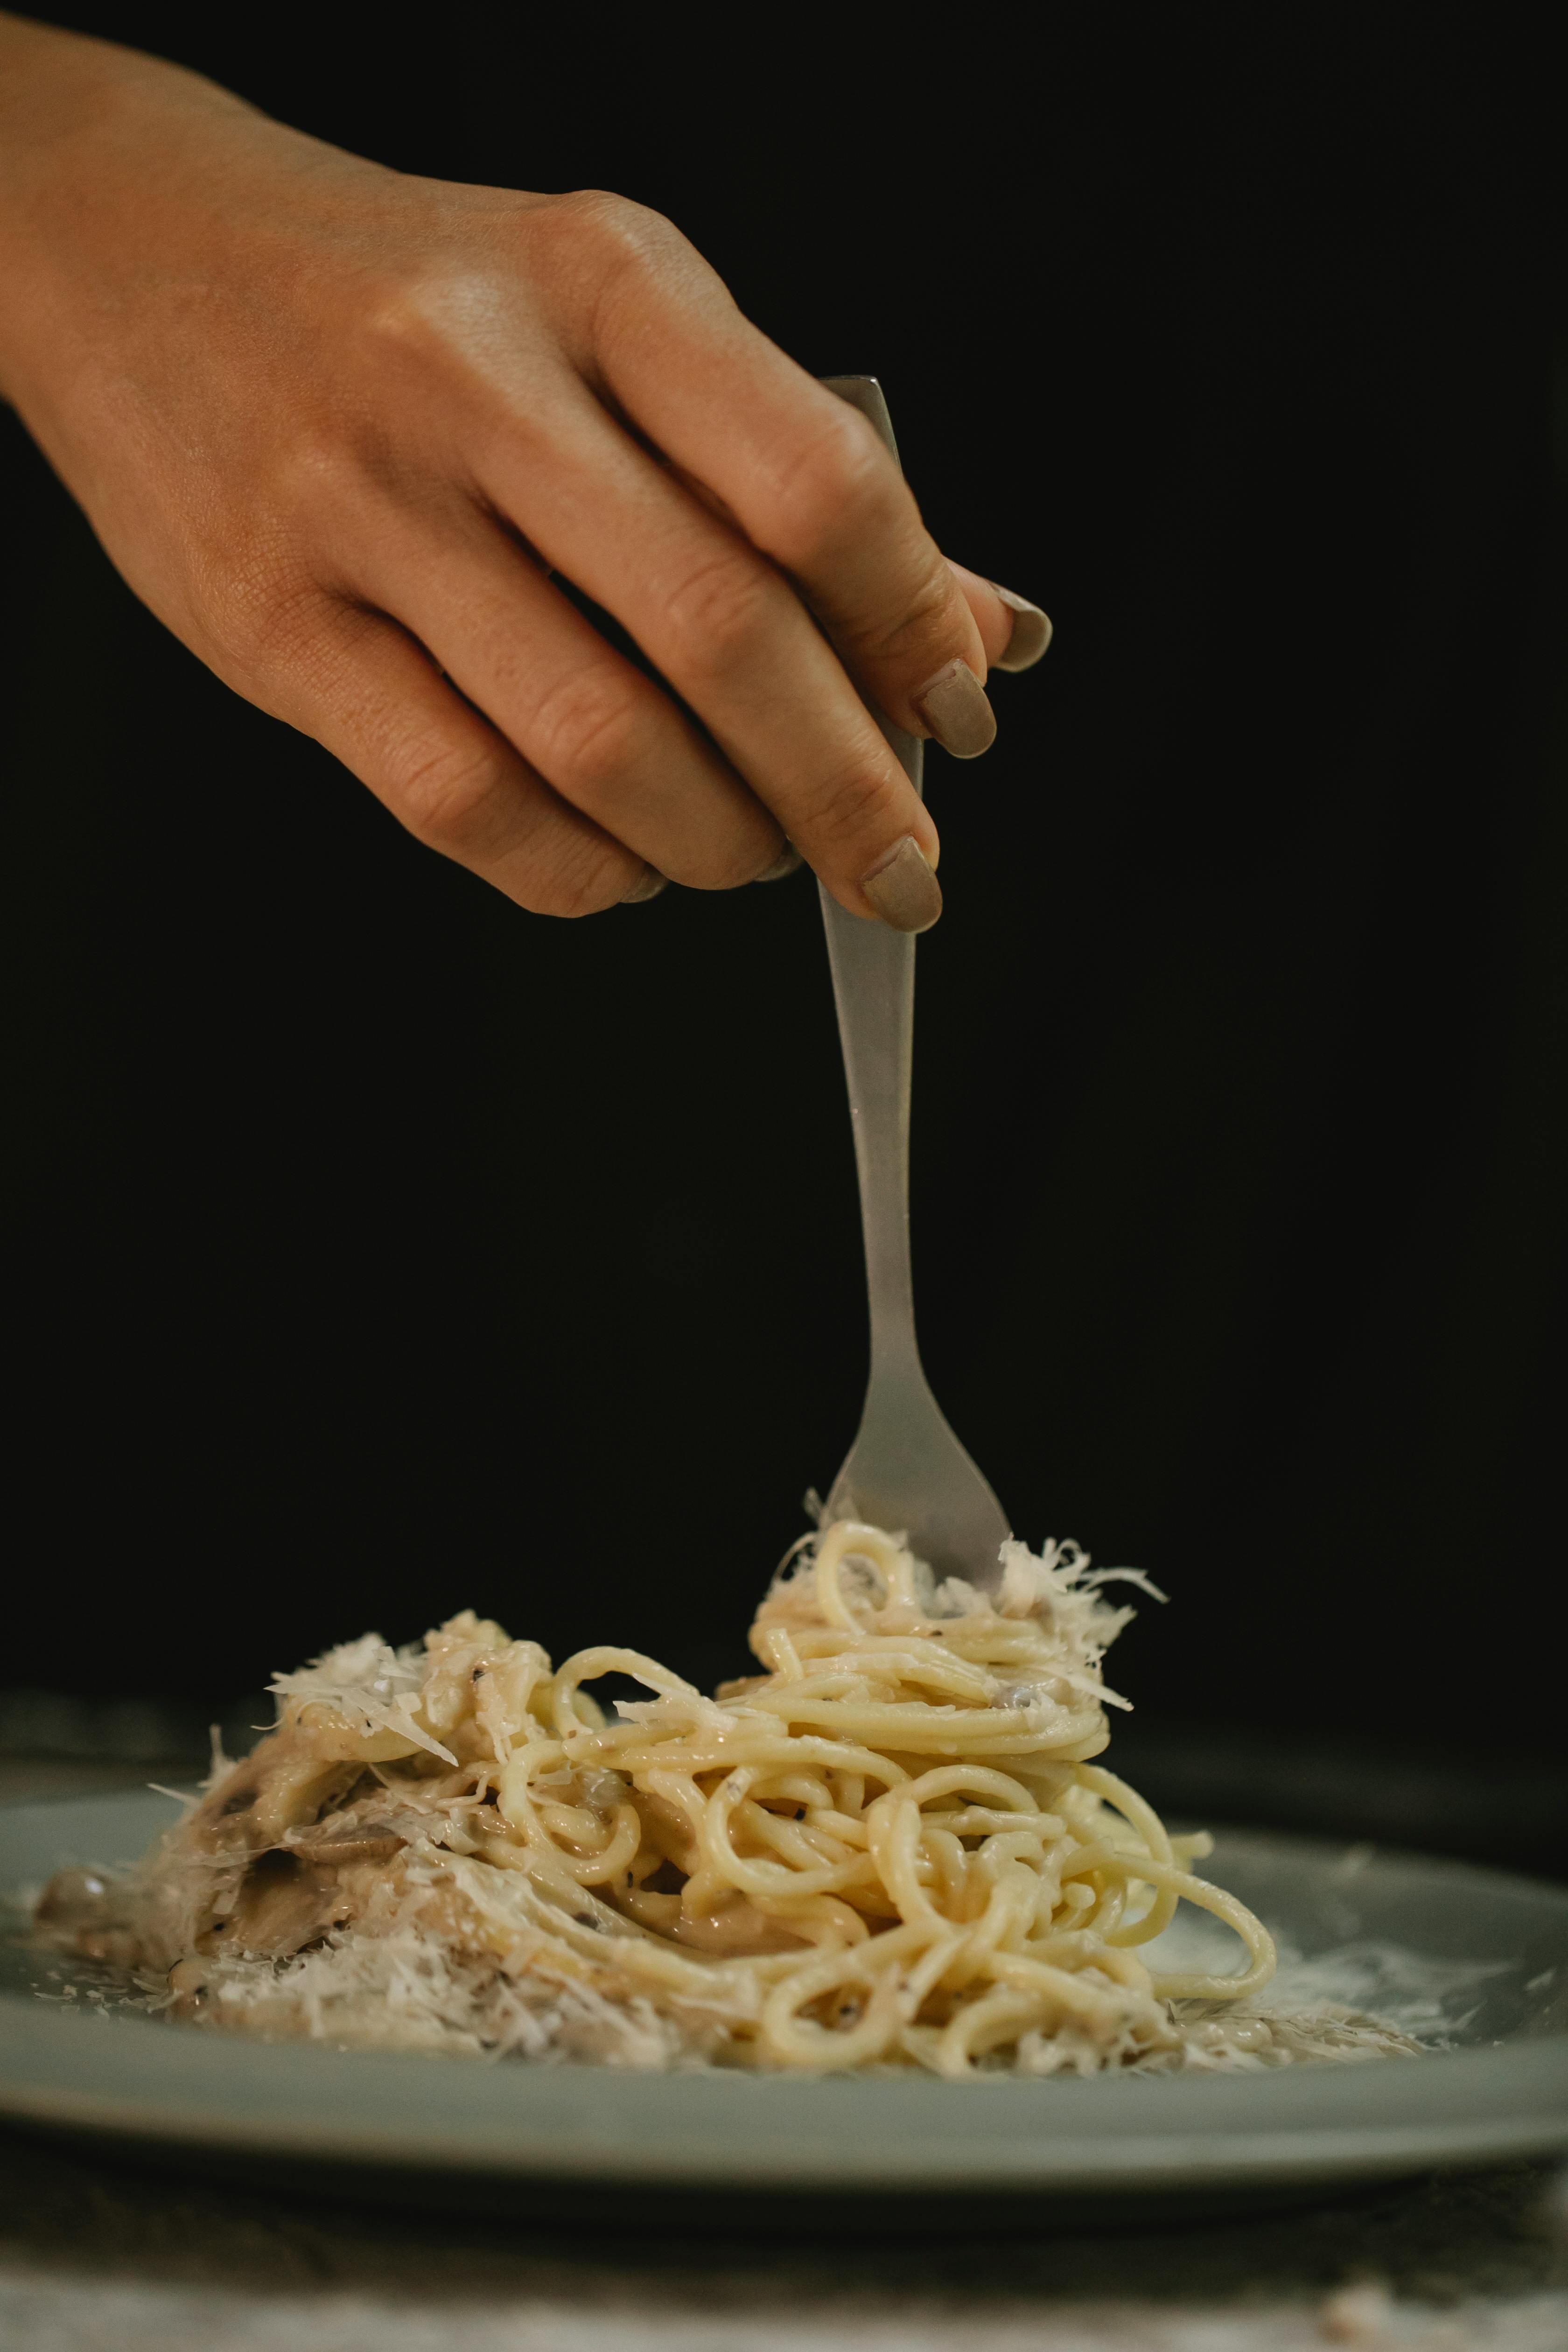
[98,2255]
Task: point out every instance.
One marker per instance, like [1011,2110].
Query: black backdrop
[375,1248]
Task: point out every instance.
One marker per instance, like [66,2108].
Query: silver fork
[906,1470]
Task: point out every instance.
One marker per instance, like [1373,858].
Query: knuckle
[426,324]
[264,586]
[310,467]
[839,486]
[454,799]
[744,859]
[397,328]
[404,312]
[726,857]
[610,256]
[260,602]
[449,797]
[585,735]
[618,228]
[921,623]
[852,805]
[721,611]
[322,494]
[578,875]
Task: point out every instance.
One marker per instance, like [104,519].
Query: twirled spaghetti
[891,1846]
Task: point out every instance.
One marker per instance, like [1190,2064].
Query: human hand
[338,426]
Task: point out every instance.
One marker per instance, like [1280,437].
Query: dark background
[375,1248]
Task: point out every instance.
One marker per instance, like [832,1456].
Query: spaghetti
[891,1846]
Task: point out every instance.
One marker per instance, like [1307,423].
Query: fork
[906,1470]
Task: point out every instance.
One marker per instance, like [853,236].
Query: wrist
[95,144]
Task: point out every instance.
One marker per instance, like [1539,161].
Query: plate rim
[1461,2107]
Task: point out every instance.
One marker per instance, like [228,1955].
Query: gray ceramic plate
[1466,1957]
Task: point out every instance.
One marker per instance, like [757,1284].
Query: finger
[1014,632]
[375,699]
[805,474]
[582,716]
[723,625]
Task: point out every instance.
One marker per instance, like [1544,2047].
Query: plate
[1470,1958]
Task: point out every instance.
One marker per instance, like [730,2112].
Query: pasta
[891,1846]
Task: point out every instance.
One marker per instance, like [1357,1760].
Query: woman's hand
[338,426]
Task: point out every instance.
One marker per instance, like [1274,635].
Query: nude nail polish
[954,708]
[789,861]
[902,888]
[1031,631]
[651,884]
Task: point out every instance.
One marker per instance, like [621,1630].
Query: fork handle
[874,988]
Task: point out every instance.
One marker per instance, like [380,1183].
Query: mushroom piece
[290,1778]
[82,1911]
[283,1904]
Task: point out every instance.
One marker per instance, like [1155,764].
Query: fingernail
[903,889]
[954,708]
[651,884]
[1031,631]
[790,862]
